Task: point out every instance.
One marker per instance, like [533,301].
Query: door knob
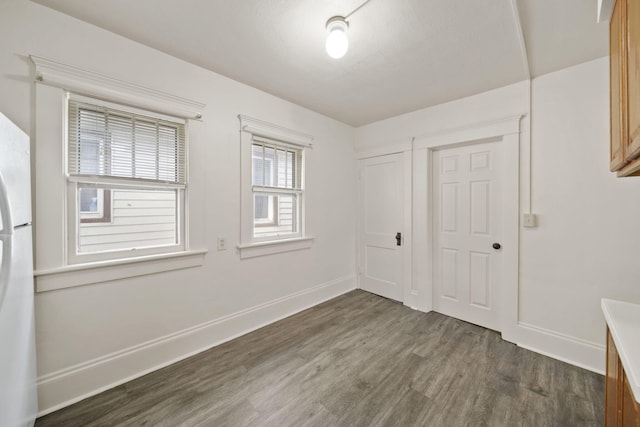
[496,246]
[398,239]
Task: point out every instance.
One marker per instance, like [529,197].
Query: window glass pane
[280,214]
[88,200]
[275,167]
[261,206]
[130,218]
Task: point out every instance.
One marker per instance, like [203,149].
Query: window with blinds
[277,188]
[127,175]
[112,143]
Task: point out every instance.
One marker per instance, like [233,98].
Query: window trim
[252,250]
[52,271]
[79,80]
[264,132]
[105,271]
[73,182]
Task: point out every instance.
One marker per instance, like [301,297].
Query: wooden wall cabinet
[624,49]
[621,408]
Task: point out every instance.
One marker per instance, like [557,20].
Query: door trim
[392,148]
[507,131]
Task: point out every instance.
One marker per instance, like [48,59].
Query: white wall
[89,337]
[583,249]
[495,104]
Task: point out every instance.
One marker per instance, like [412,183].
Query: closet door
[381,215]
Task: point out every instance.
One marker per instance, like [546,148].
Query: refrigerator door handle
[6,230]
[5,265]
[6,227]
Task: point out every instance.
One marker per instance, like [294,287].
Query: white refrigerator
[18,388]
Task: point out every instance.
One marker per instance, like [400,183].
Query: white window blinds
[114,143]
[276,166]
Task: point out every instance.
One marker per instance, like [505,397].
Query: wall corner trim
[64,387]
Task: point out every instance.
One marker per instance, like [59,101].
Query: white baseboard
[67,386]
[575,351]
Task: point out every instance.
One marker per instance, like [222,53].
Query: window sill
[105,271]
[251,250]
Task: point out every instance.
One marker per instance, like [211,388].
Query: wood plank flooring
[357,360]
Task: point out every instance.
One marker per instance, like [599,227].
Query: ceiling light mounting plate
[337,22]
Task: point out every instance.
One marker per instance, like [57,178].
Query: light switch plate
[529,220]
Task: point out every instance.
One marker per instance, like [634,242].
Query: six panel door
[466,226]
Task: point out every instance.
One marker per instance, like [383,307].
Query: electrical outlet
[222,244]
[529,220]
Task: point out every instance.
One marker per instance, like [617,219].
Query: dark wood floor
[357,360]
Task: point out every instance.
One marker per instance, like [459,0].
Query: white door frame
[507,131]
[407,241]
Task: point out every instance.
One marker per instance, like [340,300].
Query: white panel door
[466,226]
[381,199]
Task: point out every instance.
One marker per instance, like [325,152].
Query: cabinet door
[617,31]
[630,408]
[612,385]
[633,77]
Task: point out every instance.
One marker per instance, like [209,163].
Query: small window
[273,189]
[127,176]
[277,189]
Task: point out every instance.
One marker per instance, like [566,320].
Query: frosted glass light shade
[337,42]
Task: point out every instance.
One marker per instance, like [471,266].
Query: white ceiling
[403,54]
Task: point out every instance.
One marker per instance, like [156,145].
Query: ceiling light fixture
[337,42]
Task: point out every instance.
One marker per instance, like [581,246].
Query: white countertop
[623,319]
